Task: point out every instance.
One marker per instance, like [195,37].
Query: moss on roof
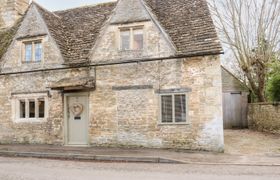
[6,38]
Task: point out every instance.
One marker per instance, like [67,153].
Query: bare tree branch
[251,29]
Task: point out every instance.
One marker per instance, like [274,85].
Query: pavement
[136,155]
[242,147]
[248,142]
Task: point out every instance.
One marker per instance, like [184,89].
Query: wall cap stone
[177,90]
[266,103]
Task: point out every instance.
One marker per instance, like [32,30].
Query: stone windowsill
[132,51]
[173,124]
[31,120]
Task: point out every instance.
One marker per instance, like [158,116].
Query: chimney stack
[11,11]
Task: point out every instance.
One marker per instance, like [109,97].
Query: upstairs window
[125,40]
[138,39]
[174,108]
[28,52]
[131,39]
[38,51]
[32,52]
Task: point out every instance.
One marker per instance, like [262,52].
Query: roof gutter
[129,61]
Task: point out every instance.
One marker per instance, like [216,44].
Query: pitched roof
[124,15]
[76,30]
[187,22]
[231,83]
[7,36]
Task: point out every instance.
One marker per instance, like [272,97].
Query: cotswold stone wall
[120,114]
[130,117]
[49,131]
[264,117]
[107,47]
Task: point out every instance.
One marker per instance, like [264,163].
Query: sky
[54,5]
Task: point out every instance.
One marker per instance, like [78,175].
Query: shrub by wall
[264,117]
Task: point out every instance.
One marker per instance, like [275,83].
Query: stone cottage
[131,73]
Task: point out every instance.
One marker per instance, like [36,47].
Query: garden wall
[264,117]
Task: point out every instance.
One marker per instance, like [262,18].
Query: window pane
[125,40]
[138,39]
[32,108]
[166,109]
[22,109]
[180,108]
[38,51]
[28,52]
[41,103]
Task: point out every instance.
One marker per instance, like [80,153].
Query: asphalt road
[40,169]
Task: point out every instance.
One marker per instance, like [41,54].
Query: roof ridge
[85,6]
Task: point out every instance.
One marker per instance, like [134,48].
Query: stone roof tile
[189,25]
[7,36]
[76,30]
[187,22]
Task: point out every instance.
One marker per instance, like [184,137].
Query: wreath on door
[77,109]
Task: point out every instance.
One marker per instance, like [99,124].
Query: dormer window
[125,40]
[28,52]
[138,39]
[131,39]
[32,52]
[38,51]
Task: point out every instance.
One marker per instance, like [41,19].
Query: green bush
[273,87]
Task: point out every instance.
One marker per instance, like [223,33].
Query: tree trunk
[261,95]
[259,88]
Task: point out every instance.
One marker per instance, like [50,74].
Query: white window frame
[33,58]
[131,37]
[26,97]
[173,109]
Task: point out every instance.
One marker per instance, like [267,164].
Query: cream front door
[77,119]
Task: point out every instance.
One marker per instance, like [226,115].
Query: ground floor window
[30,107]
[174,108]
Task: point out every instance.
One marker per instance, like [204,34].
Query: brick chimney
[11,11]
